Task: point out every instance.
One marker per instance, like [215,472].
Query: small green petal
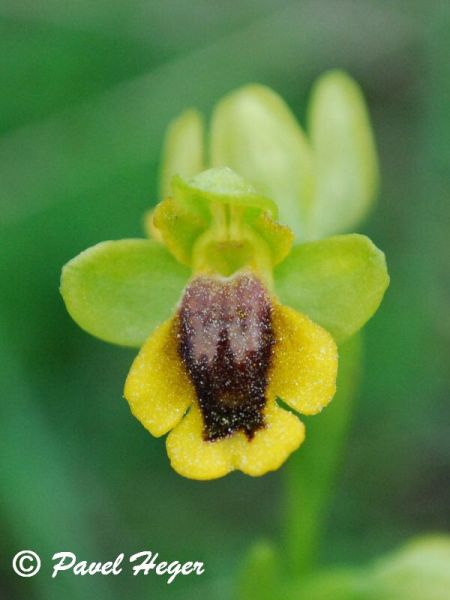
[345,157]
[121,290]
[180,227]
[277,237]
[338,282]
[183,149]
[254,133]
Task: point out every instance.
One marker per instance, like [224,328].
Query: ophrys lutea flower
[238,329]
[227,355]
[213,373]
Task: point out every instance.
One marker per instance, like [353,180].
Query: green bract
[226,219]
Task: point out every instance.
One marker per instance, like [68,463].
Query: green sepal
[345,157]
[183,152]
[254,132]
[338,282]
[220,185]
[119,291]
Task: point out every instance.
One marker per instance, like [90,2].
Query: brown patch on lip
[225,341]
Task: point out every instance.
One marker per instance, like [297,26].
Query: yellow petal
[304,362]
[157,387]
[270,446]
[191,456]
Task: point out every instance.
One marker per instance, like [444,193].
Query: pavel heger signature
[143,563]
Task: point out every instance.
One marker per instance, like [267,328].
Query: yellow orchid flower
[237,328]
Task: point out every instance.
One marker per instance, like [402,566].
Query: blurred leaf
[420,570]
[120,291]
[183,149]
[345,158]
[254,133]
[338,282]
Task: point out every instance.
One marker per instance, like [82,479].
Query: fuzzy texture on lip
[225,341]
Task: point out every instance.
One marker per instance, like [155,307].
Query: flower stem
[310,473]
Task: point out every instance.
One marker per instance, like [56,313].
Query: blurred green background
[87,89]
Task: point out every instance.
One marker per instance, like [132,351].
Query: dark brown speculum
[225,342]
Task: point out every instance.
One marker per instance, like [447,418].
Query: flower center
[226,339]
